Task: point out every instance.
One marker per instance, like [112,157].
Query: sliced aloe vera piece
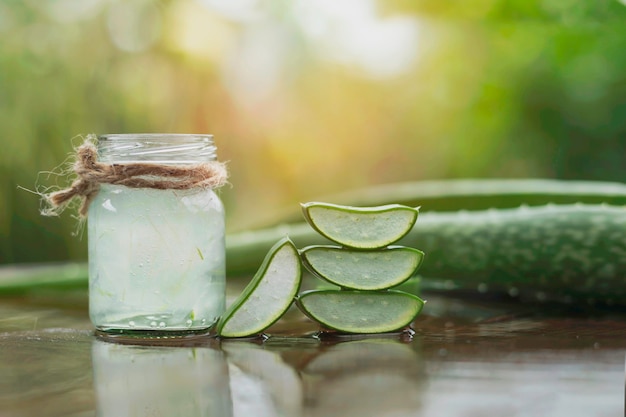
[361,227]
[362,270]
[360,311]
[268,295]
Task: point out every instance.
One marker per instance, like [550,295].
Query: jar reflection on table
[138,381]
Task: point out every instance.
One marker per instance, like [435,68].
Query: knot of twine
[91,173]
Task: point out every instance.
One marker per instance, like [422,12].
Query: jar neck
[156,148]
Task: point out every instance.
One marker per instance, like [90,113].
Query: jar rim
[135,136]
[161,148]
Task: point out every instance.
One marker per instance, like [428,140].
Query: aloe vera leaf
[268,295]
[362,270]
[467,194]
[360,311]
[15,279]
[362,228]
[561,252]
[245,250]
[568,253]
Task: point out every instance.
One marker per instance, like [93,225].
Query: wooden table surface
[467,358]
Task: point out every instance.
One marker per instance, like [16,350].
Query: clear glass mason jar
[156,256]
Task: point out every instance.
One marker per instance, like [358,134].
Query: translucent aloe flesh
[362,270]
[268,295]
[360,311]
[361,228]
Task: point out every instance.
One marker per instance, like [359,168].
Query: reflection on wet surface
[154,380]
[466,359]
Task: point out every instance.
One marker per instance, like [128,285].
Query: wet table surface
[467,358]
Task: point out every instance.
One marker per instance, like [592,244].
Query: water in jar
[156,259]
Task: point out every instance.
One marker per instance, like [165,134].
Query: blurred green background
[309,97]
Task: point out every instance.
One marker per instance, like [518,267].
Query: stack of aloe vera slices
[365,265]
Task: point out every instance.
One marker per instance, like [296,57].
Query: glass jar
[156,256]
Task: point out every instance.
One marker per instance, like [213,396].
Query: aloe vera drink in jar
[156,256]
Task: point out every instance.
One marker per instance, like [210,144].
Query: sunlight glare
[199,32]
[351,32]
[254,70]
[236,10]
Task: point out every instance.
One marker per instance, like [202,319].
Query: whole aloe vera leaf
[15,279]
[466,194]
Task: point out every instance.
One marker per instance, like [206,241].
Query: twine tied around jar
[90,174]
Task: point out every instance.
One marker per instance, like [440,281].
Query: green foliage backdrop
[306,98]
